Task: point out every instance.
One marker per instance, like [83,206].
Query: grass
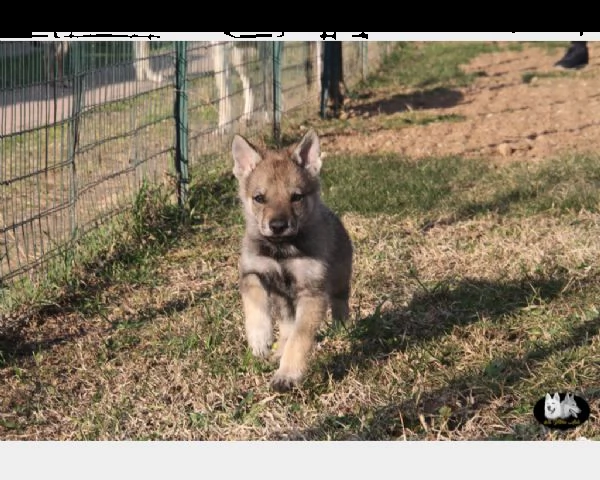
[530,77]
[475,292]
[430,65]
[458,188]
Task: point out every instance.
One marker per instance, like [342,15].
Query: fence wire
[84,124]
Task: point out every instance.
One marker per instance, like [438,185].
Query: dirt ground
[520,107]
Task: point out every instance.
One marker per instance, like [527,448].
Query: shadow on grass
[436,313]
[155,225]
[16,344]
[439,97]
[432,315]
[473,391]
[501,205]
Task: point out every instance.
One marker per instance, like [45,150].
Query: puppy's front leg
[259,328]
[285,315]
[310,311]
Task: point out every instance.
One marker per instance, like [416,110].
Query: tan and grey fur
[296,258]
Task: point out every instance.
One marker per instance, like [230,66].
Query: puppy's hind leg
[259,327]
[340,307]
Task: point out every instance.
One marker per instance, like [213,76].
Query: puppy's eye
[296,197]
[259,198]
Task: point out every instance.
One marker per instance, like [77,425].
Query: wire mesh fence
[84,124]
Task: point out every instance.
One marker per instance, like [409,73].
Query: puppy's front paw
[284,382]
[260,350]
[259,341]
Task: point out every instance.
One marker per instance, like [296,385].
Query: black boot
[576,57]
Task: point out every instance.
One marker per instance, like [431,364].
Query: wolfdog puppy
[296,257]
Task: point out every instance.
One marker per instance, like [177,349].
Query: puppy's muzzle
[280,228]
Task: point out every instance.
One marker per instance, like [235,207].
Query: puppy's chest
[288,274]
[284,282]
[299,275]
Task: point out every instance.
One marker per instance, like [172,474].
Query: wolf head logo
[569,406]
[552,407]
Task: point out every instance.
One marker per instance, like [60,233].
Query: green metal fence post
[73,139]
[277,49]
[181,123]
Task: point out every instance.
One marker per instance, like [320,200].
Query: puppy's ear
[307,153]
[245,157]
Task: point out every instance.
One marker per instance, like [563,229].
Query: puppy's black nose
[278,226]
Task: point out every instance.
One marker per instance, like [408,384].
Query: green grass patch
[461,187]
[430,64]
